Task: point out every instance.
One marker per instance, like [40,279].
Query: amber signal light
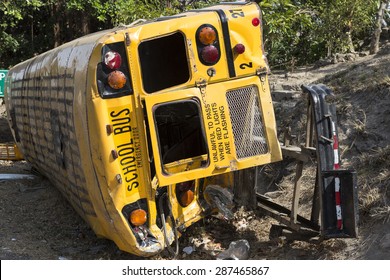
[116,79]
[186,198]
[138,217]
[185,193]
[207,35]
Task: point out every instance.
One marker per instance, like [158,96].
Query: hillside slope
[362,97]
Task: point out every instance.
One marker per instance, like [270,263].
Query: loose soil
[36,222]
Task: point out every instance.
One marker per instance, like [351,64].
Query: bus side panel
[44,100]
[51,106]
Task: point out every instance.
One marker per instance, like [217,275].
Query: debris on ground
[238,250]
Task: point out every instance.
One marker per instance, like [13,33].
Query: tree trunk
[56,25]
[85,25]
[374,48]
[32,33]
[351,47]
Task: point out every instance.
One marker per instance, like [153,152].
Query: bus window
[180,134]
[164,62]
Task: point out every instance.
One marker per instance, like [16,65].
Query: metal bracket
[262,73]
[201,84]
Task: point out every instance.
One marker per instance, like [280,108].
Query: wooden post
[245,183]
[296,194]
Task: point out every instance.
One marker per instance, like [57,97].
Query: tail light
[186,198]
[207,35]
[116,80]
[138,217]
[185,193]
[210,54]
[208,45]
[113,75]
[112,60]
[136,213]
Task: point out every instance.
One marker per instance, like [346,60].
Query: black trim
[226,39]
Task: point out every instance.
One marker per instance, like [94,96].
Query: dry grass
[374,185]
[374,160]
[381,213]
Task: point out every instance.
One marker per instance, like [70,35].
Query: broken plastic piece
[238,250]
[188,250]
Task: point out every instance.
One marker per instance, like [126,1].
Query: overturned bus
[141,127]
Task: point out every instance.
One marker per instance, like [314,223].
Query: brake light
[113,60]
[210,54]
[207,44]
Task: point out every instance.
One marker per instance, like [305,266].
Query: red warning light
[239,49]
[256,22]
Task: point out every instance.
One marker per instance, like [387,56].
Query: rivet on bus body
[114,154]
[118,178]
[109,129]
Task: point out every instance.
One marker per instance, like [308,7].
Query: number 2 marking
[246,65]
[237,13]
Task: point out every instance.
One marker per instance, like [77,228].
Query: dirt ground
[36,222]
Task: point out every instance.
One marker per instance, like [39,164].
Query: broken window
[181,136]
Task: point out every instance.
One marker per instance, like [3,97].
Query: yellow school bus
[141,127]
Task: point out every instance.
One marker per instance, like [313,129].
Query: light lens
[207,35]
[186,198]
[116,80]
[210,54]
[138,217]
[239,49]
[185,193]
[113,60]
[255,22]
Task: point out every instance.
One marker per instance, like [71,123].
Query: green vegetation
[299,32]
[295,31]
